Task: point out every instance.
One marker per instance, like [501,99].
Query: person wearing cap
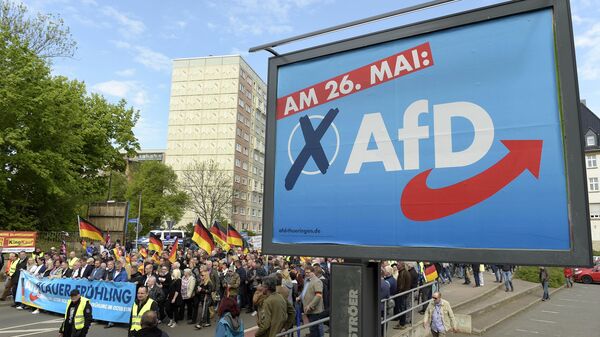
[231,282]
[78,316]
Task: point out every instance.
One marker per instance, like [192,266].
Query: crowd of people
[200,289]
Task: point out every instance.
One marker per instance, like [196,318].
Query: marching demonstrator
[78,316]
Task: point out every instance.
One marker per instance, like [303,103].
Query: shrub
[531,274]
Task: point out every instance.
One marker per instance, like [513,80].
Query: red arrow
[421,203]
[33,297]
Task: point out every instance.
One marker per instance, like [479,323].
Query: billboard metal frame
[580,253]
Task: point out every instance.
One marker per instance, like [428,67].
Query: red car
[587,275]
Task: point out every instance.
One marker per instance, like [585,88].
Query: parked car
[166,236]
[587,275]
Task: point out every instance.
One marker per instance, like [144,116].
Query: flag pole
[137,223]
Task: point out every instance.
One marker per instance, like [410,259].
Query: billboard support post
[355,299]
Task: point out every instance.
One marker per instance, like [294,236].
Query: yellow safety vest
[136,317]
[79,316]
[34,255]
[72,262]
[13,267]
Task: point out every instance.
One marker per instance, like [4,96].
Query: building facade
[218,112]
[591,132]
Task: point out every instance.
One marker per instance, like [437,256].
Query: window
[590,140]
[253,212]
[593,185]
[242,211]
[235,210]
[238,147]
[244,181]
[245,166]
[237,179]
[591,161]
[237,162]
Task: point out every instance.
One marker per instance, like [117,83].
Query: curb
[484,330]
[502,301]
[487,292]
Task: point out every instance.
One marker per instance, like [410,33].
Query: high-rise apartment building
[218,112]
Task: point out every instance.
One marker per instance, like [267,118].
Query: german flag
[430,273]
[128,259]
[156,258]
[220,235]
[154,243]
[203,238]
[173,253]
[88,230]
[234,238]
[143,252]
[116,252]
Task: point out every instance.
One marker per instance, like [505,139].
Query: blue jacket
[225,328]
[121,277]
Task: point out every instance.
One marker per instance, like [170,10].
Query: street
[569,313]
[21,323]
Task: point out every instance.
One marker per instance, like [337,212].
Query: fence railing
[296,330]
[411,303]
[46,240]
[413,293]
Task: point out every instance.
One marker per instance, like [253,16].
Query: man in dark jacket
[78,316]
[150,326]
[544,279]
[243,288]
[404,283]
[21,265]
[89,267]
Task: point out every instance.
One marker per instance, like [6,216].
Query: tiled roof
[589,122]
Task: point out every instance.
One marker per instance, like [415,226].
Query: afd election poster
[449,139]
[110,301]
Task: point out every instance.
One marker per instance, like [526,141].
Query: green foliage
[44,34]
[162,197]
[250,233]
[57,143]
[532,274]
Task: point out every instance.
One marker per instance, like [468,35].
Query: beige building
[591,131]
[218,112]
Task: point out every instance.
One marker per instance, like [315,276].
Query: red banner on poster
[14,242]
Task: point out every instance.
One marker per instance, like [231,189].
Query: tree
[56,142]
[210,189]
[162,197]
[45,34]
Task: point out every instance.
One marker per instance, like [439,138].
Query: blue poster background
[110,301]
[507,66]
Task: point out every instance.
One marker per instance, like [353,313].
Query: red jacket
[568,272]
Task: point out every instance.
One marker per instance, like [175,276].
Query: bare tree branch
[210,189]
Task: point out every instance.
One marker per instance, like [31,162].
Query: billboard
[455,139]
[14,241]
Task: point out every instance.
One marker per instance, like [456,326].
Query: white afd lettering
[372,125]
[484,134]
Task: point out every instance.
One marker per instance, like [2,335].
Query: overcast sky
[126,48]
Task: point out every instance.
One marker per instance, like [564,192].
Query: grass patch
[532,274]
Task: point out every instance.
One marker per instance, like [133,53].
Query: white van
[166,236]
